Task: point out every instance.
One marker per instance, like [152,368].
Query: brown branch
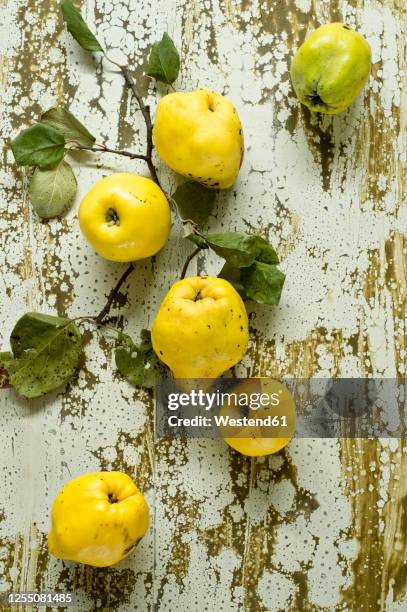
[113,295]
[188,261]
[145,110]
[102,148]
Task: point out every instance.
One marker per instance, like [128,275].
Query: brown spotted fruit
[97,519]
[199,135]
[201,328]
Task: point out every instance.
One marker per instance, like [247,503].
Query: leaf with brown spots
[46,353]
[138,363]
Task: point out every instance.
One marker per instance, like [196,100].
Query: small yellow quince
[256,445]
[97,519]
[331,68]
[253,440]
[125,217]
[199,135]
[201,329]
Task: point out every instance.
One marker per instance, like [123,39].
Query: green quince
[331,68]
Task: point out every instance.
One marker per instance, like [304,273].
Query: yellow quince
[199,135]
[253,440]
[201,328]
[97,519]
[125,217]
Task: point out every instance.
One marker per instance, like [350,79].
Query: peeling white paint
[325,232]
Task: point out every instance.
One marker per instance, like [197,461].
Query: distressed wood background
[323,524]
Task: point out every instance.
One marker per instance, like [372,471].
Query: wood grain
[321,525]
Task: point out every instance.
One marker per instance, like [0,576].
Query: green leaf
[232,275]
[51,191]
[6,360]
[262,282]
[138,363]
[250,265]
[194,202]
[40,145]
[65,122]
[240,249]
[164,63]
[78,27]
[265,253]
[46,353]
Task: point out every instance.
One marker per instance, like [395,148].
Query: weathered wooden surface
[322,525]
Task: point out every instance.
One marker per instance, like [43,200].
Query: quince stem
[102,148]
[113,295]
[145,110]
[188,261]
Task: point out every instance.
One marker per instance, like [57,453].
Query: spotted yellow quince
[97,519]
[199,135]
[201,328]
[125,217]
